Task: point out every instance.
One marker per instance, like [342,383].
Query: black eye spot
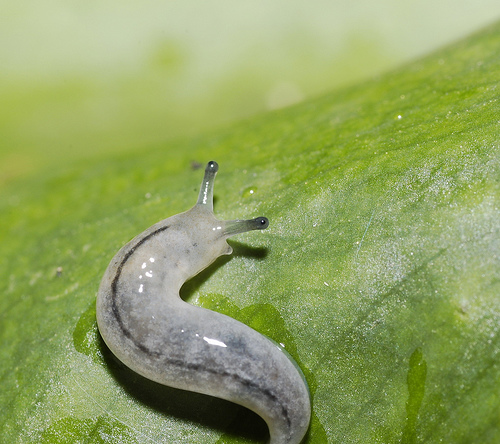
[212,166]
[263,222]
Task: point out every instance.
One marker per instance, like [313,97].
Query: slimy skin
[148,327]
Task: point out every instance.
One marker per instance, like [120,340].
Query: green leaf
[380,271]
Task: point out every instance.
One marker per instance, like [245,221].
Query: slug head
[207,235]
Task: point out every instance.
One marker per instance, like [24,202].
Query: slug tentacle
[206,196]
[233,227]
[148,326]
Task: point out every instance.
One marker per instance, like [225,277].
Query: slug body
[148,327]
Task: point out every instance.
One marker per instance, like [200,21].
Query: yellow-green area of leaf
[380,271]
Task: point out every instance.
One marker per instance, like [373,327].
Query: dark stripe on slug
[238,378]
[175,362]
[244,381]
[114,285]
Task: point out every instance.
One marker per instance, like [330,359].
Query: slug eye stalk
[241,226]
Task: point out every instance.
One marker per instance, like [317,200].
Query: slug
[149,328]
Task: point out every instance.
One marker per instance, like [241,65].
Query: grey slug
[148,327]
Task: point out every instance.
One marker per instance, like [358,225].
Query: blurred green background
[80,78]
